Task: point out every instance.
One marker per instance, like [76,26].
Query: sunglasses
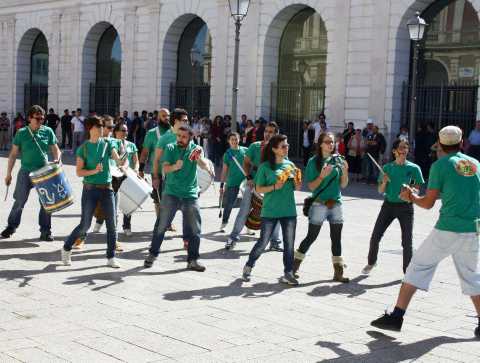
[328,142]
[38,118]
[285,146]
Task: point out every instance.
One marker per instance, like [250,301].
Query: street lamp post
[194,59]
[416,28]
[238,11]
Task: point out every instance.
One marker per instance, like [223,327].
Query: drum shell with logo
[254,220]
[53,188]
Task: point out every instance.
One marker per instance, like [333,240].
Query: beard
[182,145]
[164,125]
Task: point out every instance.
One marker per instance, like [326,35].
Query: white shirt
[77,123]
[306,143]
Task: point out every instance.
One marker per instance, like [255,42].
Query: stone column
[154,94]
[128,59]
[54,55]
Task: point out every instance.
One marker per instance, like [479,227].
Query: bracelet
[142,167]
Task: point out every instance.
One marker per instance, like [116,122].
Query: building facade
[348,58]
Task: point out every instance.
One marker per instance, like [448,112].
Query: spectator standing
[216,133]
[348,133]
[248,133]
[260,130]
[424,140]
[205,135]
[307,137]
[355,150]
[78,129]
[151,122]
[52,120]
[66,125]
[473,145]
[403,135]
[18,123]
[340,147]
[243,124]
[129,122]
[375,146]
[4,131]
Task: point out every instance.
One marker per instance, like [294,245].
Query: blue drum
[52,187]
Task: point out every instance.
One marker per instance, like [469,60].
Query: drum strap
[237,163]
[45,157]
[158,133]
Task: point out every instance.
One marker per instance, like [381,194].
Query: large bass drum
[204,178]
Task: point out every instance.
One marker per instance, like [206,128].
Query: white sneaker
[222,227]
[367,269]
[112,262]
[250,232]
[97,228]
[66,257]
[128,232]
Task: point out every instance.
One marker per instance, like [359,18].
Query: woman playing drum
[277,178]
[93,164]
[325,175]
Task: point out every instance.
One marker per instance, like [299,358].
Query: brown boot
[297,261]
[338,267]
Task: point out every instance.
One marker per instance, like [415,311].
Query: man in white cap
[455,178]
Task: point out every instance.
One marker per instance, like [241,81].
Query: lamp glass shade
[239,8]
[416,28]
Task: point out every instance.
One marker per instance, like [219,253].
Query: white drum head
[204,178]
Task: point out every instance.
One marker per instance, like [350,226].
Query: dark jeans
[90,197]
[312,234]
[230,197]
[127,222]
[289,226]
[20,195]
[66,134]
[191,224]
[390,211]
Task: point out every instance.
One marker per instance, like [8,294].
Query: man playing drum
[181,193]
[455,179]
[251,163]
[32,142]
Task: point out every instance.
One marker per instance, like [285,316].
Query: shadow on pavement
[352,289]
[386,349]
[218,236]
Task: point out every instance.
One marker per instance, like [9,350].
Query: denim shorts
[464,249]
[319,213]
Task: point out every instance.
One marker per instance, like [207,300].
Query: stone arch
[89,59]
[23,64]
[399,56]
[267,71]
[169,53]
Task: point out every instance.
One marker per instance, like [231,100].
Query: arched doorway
[449,66]
[102,63]
[191,89]
[300,88]
[32,71]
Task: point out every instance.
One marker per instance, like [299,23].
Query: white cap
[370,121]
[450,135]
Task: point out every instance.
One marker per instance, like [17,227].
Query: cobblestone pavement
[90,313]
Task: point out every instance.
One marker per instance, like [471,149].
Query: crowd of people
[175,154]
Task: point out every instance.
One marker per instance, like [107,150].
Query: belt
[330,203]
[89,186]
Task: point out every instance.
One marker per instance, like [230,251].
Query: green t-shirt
[277,203]
[91,154]
[408,173]
[332,192]
[130,148]
[150,142]
[115,145]
[167,138]
[254,153]
[457,177]
[235,176]
[181,183]
[31,157]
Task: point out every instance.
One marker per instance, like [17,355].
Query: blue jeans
[20,195]
[191,224]
[371,171]
[242,218]
[289,225]
[90,197]
[230,197]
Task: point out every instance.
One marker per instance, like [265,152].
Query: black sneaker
[275,247]
[7,232]
[46,236]
[388,322]
[289,279]
[477,332]
[195,266]
[149,261]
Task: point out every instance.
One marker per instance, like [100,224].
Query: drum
[204,178]
[253,220]
[133,193]
[53,188]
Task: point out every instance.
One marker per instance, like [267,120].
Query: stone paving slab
[90,313]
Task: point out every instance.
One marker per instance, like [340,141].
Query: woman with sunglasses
[277,177]
[325,174]
[395,174]
[93,165]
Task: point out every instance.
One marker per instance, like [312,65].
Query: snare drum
[132,193]
[254,220]
[53,188]
[204,178]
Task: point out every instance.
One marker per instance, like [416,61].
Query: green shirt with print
[235,176]
[181,183]
[332,191]
[277,203]
[254,153]
[31,157]
[167,138]
[399,174]
[150,142]
[91,154]
[131,149]
[457,177]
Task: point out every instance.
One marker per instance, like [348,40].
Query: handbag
[307,202]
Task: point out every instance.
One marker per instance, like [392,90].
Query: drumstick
[220,205]
[6,193]
[376,164]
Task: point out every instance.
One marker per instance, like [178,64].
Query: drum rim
[44,170]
